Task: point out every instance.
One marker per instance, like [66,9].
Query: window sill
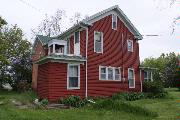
[132,87]
[111,80]
[73,88]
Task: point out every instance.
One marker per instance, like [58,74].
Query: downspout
[86,93]
[141,79]
[122,59]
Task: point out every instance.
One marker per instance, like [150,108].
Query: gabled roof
[44,39]
[87,22]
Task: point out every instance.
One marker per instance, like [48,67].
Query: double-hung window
[98,42]
[147,76]
[109,73]
[131,78]
[73,76]
[103,73]
[130,45]
[114,22]
[76,35]
[117,74]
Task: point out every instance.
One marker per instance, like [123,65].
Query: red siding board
[52,81]
[72,45]
[113,55]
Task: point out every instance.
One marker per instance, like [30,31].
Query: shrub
[132,96]
[22,86]
[44,101]
[74,101]
[71,101]
[154,90]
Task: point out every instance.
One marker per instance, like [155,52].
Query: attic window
[114,22]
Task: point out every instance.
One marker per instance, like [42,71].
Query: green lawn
[167,109]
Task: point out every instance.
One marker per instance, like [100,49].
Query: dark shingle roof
[44,39]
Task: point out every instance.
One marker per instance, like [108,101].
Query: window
[114,22]
[147,76]
[117,74]
[131,78]
[109,73]
[98,42]
[68,46]
[77,37]
[103,73]
[130,45]
[73,76]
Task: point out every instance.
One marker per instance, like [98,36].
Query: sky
[150,17]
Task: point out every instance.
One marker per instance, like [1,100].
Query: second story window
[98,42]
[77,37]
[114,22]
[130,45]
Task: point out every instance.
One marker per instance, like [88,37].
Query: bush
[71,101]
[44,101]
[116,105]
[132,96]
[154,90]
[22,86]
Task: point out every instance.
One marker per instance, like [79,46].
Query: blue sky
[148,16]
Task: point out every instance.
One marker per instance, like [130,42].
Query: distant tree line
[167,69]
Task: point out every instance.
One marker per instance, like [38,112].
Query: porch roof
[61,58]
[147,68]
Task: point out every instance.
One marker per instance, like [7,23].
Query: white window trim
[107,73]
[128,46]
[112,22]
[75,37]
[119,73]
[134,78]
[101,41]
[73,88]
[151,77]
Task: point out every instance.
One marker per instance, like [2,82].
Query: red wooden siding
[72,45]
[56,84]
[83,43]
[39,52]
[43,81]
[113,55]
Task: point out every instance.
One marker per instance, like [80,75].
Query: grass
[166,109]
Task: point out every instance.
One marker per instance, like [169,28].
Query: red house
[97,57]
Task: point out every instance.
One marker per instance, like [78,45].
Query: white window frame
[75,37]
[148,79]
[134,77]
[101,41]
[128,46]
[106,67]
[112,73]
[115,21]
[100,72]
[118,74]
[73,88]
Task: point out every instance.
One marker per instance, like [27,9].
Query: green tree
[167,66]
[13,47]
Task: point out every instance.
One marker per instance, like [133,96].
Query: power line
[30,5]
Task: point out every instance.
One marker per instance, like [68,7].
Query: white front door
[77,43]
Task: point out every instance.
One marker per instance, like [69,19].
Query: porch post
[53,48]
